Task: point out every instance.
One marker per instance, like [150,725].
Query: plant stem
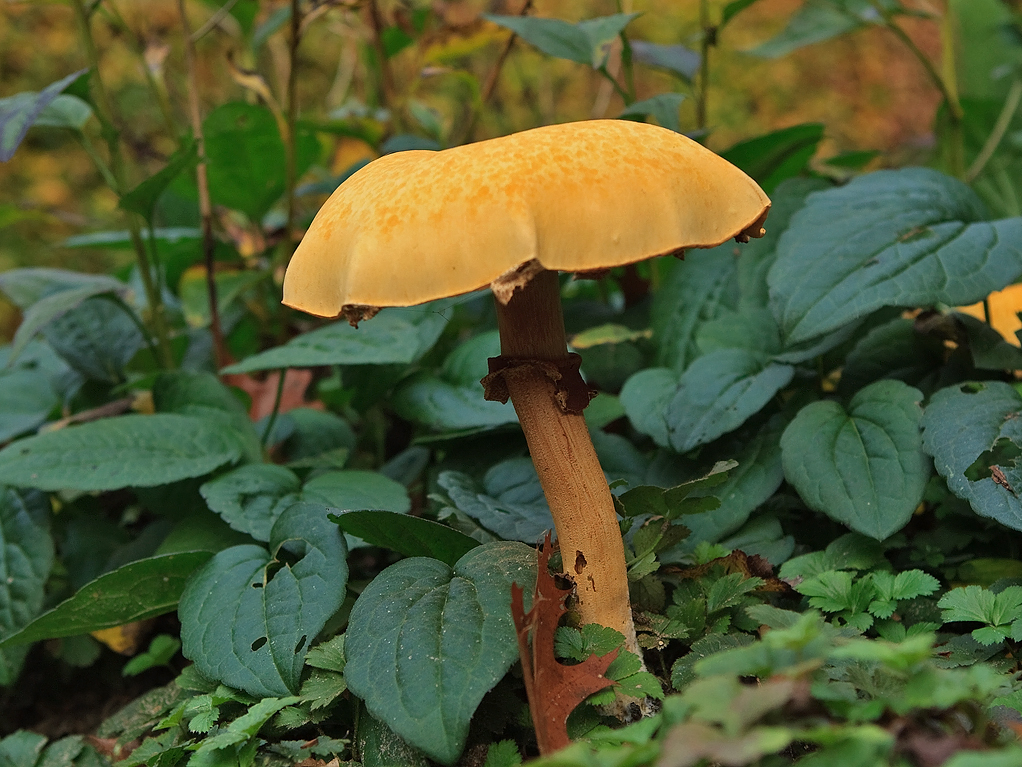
[1000,128]
[202,182]
[104,113]
[387,93]
[707,42]
[276,408]
[617,86]
[290,140]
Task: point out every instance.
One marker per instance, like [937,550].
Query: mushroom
[510,213]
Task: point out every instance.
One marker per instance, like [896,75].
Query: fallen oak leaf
[553,689]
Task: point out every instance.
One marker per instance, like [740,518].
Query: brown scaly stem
[532,328]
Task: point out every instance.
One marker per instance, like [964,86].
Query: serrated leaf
[247,618]
[136,591]
[863,467]
[968,603]
[26,557]
[912,237]
[503,753]
[21,749]
[19,112]
[127,451]
[411,536]
[394,336]
[727,591]
[510,502]
[322,688]
[247,725]
[250,498]
[591,639]
[718,393]
[426,641]
[587,42]
[962,424]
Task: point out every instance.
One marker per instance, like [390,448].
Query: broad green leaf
[442,406]
[248,617]
[379,746]
[21,749]
[681,61]
[892,350]
[51,307]
[909,237]
[819,20]
[751,329]
[19,112]
[732,9]
[977,424]
[411,536]
[65,111]
[97,337]
[26,557]
[356,490]
[587,42]
[969,603]
[142,199]
[31,388]
[645,397]
[202,395]
[718,393]
[757,476]
[863,467]
[139,590]
[777,156]
[316,432]
[245,157]
[510,501]
[24,287]
[697,289]
[987,347]
[250,498]
[663,108]
[425,642]
[127,451]
[394,336]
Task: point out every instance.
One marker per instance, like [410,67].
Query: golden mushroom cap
[415,226]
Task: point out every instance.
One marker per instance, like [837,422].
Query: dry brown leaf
[737,562]
[263,393]
[554,690]
[126,639]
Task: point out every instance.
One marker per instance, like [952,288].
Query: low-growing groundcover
[307,535]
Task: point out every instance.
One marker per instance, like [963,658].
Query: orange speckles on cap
[418,225]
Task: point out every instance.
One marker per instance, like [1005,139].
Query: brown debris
[738,562]
[553,689]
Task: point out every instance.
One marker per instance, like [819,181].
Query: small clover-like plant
[1000,611]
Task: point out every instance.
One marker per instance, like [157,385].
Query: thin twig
[205,206]
[215,19]
[387,92]
[291,140]
[997,134]
[107,410]
[268,430]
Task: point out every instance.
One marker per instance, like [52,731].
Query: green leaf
[171,235]
[696,290]
[820,20]
[892,350]
[777,156]
[968,603]
[24,287]
[910,237]
[21,749]
[718,393]
[510,502]
[143,198]
[162,649]
[202,395]
[97,338]
[967,426]
[503,753]
[677,59]
[316,432]
[250,498]
[246,726]
[987,347]
[31,388]
[591,639]
[65,111]
[394,336]
[663,108]
[442,406]
[139,590]
[587,42]
[26,557]
[645,397]
[20,111]
[127,451]
[356,490]
[248,618]
[863,467]
[728,591]
[54,306]
[426,641]
[411,536]
[732,9]
[245,157]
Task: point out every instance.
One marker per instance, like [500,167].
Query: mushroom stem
[532,328]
